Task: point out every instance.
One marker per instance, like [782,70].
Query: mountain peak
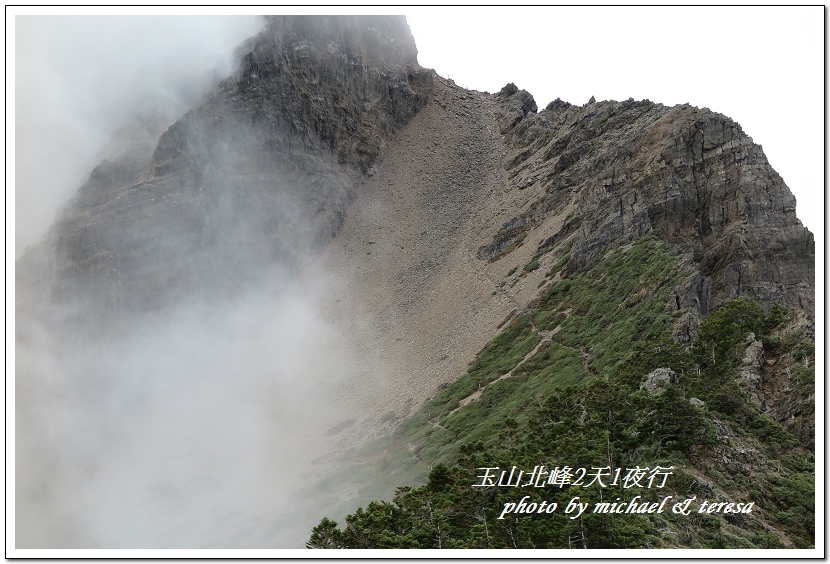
[376,40]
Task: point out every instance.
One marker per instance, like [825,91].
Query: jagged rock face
[260,174]
[620,170]
[338,85]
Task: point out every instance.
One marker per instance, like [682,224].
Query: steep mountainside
[440,231]
[260,174]
[690,175]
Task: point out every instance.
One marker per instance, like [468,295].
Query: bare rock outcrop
[657,380]
[750,371]
[618,170]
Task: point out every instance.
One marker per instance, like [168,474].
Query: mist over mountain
[90,88]
[239,298]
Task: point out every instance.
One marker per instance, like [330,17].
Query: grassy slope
[560,385]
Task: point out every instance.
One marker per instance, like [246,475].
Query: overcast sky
[77,80]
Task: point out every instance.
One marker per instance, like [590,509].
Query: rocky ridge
[618,170]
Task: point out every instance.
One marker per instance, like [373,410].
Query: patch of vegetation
[560,263]
[532,265]
[562,385]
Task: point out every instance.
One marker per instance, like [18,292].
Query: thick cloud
[197,425]
[79,80]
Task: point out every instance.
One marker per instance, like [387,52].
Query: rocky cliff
[618,170]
